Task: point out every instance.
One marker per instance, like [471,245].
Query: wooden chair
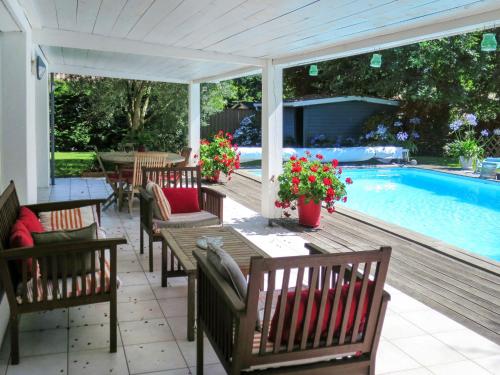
[143,160]
[297,347]
[186,153]
[112,179]
[210,202]
[26,296]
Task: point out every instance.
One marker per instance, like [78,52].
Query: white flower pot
[466,163]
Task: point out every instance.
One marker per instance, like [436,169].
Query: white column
[194,119]
[18,140]
[42,131]
[272,137]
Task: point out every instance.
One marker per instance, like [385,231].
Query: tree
[137,104]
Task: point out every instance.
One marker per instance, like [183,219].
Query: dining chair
[144,160]
[112,179]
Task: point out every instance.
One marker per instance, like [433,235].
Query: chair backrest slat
[322,306]
[348,303]
[309,304]
[361,301]
[335,304]
[271,280]
[282,309]
[147,160]
[296,306]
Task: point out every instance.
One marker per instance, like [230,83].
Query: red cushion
[300,316]
[182,200]
[314,313]
[30,220]
[20,237]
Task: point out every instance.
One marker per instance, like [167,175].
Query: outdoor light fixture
[376,61]
[40,68]
[489,42]
[313,70]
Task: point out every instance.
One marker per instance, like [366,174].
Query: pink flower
[344,199]
[331,210]
[348,180]
[319,156]
[277,204]
[335,163]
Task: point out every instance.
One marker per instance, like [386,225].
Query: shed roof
[337,99]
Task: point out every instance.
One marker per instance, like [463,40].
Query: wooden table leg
[191,304]
[164,257]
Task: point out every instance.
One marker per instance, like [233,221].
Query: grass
[438,160]
[73,164]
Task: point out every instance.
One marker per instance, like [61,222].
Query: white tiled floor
[416,340]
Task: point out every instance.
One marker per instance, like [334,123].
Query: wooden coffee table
[179,261]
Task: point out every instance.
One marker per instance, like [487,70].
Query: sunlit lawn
[72,164]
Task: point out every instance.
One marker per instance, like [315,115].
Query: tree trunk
[138,93]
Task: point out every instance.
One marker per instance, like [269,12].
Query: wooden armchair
[32,290]
[210,203]
[334,336]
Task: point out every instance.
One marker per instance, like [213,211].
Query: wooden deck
[438,275]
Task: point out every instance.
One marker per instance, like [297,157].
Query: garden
[447,90]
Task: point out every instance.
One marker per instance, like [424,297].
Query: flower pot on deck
[215,178]
[309,213]
[466,163]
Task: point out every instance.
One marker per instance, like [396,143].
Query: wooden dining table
[125,161]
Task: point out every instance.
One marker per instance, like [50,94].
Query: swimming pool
[461,211]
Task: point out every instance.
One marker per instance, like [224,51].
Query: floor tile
[178,325]
[48,341]
[100,361]
[135,293]
[417,371]
[53,364]
[170,291]
[90,337]
[492,363]
[396,327]
[459,368]
[129,311]
[188,349]
[89,314]
[390,359]
[469,343]
[44,320]
[133,278]
[216,369]
[428,350]
[182,371]
[157,356]
[173,307]
[145,331]
[432,321]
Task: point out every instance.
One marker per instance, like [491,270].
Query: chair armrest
[60,248]
[212,192]
[227,293]
[63,205]
[213,202]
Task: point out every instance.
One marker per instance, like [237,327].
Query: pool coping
[434,244]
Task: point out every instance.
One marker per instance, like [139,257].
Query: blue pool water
[462,211]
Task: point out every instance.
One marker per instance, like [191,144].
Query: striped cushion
[73,218]
[161,208]
[80,284]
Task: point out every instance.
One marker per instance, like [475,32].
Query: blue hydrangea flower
[485,133]
[471,119]
[381,129]
[415,121]
[415,135]
[402,136]
[398,124]
[455,125]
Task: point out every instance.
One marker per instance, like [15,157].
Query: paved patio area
[152,320]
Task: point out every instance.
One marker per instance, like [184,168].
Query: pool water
[461,211]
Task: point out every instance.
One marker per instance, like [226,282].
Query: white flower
[381,129]
[455,125]
[398,124]
[496,131]
[415,135]
[402,136]
[415,121]
[471,119]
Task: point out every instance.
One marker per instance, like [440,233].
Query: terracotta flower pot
[309,213]
[215,177]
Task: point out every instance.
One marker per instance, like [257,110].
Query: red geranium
[219,155]
[327,181]
[348,180]
[295,180]
[312,178]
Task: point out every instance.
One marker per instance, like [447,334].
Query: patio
[152,320]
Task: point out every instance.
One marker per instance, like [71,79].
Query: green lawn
[438,160]
[72,164]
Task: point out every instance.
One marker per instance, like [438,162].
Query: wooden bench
[39,292]
[333,283]
[210,202]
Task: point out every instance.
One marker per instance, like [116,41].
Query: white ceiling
[184,40]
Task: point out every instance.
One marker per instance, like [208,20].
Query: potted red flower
[219,156]
[308,181]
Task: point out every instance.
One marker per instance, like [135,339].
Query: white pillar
[18,140]
[194,119]
[42,131]
[272,137]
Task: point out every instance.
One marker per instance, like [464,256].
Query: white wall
[18,138]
